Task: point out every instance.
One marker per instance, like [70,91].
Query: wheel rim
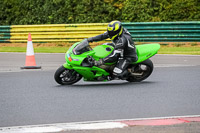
[69,76]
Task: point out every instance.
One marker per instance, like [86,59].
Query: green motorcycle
[79,64]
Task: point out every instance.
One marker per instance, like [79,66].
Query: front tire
[66,76]
[144,70]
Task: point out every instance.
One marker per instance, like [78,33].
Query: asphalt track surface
[32,97]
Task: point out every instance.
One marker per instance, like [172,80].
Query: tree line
[20,12]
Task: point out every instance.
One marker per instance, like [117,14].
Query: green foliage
[161,10]
[181,10]
[14,12]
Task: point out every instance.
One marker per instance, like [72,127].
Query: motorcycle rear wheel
[145,69]
[66,76]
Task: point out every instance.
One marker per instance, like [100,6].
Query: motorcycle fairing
[74,60]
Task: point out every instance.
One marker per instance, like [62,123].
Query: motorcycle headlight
[69,57]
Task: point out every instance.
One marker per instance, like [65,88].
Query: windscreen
[82,47]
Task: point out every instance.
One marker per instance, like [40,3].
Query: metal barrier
[164,31]
[69,33]
[4,34]
[50,33]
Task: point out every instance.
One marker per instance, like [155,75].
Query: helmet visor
[112,33]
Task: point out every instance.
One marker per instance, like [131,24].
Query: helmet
[114,29]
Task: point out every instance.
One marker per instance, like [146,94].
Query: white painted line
[94,126]
[89,125]
[32,130]
[63,127]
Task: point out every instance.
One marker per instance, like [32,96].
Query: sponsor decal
[75,59]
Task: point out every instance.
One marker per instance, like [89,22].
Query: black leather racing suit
[124,51]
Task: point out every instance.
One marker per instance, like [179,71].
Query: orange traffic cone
[30,57]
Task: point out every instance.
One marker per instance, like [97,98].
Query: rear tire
[66,76]
[145,69]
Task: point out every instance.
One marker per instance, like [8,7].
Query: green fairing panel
[101,52]
[98,52]
[146,51]
[88,72]
[77,59]
[66,65]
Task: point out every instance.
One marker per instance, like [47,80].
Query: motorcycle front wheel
[140,71]
[66,76]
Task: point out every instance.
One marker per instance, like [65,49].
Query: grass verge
[193,50]
[36,50]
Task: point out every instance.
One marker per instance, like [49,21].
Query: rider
[124,49]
